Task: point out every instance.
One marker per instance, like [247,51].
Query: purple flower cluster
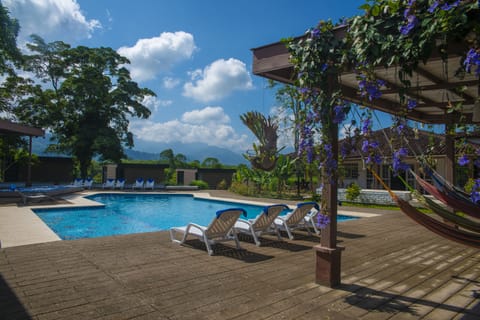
[472,59]
[339,113]
[411,20]
[306,143]
[315,33]
[476,162]
[411,104]
[366,126]
[397,162]
[444,7]
[323,220]
[475,194]
[371,89]
[330,162]
[371,148]
[463,160]
[400,124]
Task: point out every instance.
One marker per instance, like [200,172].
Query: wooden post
[28,183]
[450,152]
[328,255]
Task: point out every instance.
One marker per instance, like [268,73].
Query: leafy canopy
[87,100]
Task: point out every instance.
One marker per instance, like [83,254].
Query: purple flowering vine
[306,144]
[329,163]
[370,148]
[339,113]
[472,60]
[411,104]
[371,89]
[411,22]
[366,126]
[315,33]
[463,160]
[475,194]
[397,161]
[476,162]
[323,220]
[447,6]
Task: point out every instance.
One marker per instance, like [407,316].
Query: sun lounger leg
[236,240]
[308,230]
[315,227]
[207,244]
[289,232]
[279,236]
[172,236]
[255,237]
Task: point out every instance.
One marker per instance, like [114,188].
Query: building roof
[11,128]
[433,84]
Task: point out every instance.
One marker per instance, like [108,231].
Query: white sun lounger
[296,218]
[263,223]
[219,230]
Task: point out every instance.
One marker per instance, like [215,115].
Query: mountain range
[193,151]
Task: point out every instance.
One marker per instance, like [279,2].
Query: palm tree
[265,129]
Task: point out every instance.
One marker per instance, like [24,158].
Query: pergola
[434,86]
[10,128]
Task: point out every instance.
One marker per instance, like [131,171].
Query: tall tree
[290,101]
[88,103]
[265,129]
[9,53]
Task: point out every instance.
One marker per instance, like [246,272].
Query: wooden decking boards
[391,269]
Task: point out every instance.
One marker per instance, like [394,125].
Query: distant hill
[192,151]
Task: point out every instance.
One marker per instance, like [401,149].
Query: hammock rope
[447,213]
[469,208]
[444,230]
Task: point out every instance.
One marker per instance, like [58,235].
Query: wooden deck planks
[392,269]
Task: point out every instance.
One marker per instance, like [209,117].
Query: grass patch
[380,206]
[370,205]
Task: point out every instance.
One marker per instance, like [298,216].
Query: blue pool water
[135,213]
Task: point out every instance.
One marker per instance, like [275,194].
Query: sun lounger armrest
[280,220]
[197,226]
[247,223]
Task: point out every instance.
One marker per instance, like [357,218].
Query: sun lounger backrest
[300,212]
[269,214]
[223,223]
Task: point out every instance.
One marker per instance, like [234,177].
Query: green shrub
[200,184]
[240,188]
[352,192]
[469,185]
[222,185]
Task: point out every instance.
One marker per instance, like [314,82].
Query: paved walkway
[391,269]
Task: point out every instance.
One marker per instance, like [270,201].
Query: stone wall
[375,196]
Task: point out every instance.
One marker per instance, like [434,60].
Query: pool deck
[391,269]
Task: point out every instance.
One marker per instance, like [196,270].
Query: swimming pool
[135,213]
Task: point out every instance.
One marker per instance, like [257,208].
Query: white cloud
[51,19]
[170,83]
[207,115]
[218,80]
[153,103]
[215,131]
[152,56]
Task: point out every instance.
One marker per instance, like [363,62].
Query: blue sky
[195,55]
